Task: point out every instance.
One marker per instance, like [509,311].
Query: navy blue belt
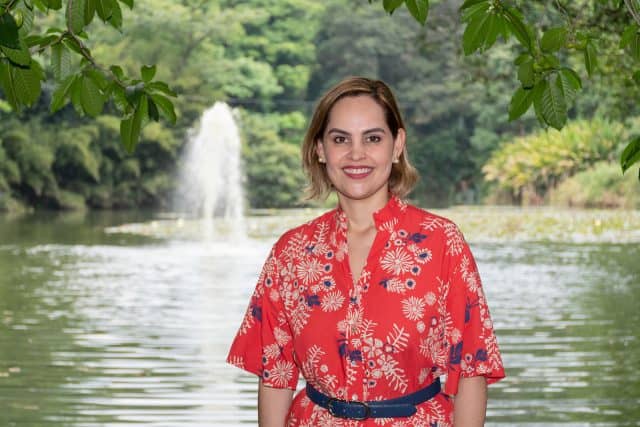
[404,406]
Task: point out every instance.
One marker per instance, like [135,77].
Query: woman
[373,301]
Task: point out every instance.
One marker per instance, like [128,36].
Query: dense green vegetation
[271,59]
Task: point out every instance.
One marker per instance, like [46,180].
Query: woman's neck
[360,212]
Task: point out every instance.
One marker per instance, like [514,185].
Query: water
[110,329]
[210,182]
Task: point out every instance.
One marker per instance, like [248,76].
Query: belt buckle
[367,409]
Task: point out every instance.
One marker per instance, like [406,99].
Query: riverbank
[479,224]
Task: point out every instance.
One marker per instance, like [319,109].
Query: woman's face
[359,149]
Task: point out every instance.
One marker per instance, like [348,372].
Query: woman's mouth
[357,172]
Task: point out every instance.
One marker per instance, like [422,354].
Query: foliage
[548,81]
[600,186]
[79,78]
[530,166]
[53,165]
[273,169]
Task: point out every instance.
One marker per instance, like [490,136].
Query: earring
[321,159]
[396,160]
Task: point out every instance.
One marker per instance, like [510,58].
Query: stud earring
[396,160]
[321,159]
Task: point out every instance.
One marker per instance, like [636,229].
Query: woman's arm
[273,405]
[470,404]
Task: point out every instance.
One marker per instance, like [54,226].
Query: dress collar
[392,210]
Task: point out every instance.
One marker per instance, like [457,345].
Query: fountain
[210,186]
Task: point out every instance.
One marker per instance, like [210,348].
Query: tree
[80,79]
[548,81]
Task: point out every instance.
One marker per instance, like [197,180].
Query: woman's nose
[357,151]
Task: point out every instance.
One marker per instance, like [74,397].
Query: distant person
[373,301]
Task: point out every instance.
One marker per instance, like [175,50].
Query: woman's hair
[403,175]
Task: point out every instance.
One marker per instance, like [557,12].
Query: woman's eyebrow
[344,132]
[381,130]
[336,130]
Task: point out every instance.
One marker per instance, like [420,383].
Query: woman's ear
[398,143]
[320,150]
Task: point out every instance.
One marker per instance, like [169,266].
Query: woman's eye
[373,138]
[339,139]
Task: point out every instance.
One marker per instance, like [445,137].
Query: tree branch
[632,8]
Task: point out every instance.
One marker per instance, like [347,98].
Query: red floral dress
[417,312]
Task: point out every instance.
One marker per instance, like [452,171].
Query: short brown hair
[403,175]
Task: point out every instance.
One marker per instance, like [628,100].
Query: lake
[113,319]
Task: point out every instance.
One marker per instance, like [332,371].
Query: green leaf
[9,36]
[27,83]
[631,154]
[162,87]
[98,78]
[468,3]
[61,61]
[391,5]
[492,30]
[104,9]
[570,84]
[520,103]
[60,93]
[89,11]
[116,16]
[72,45]
[523,57]
[55,4]
[148,72]
[590,58]
[474,35]
[6,80]
[75,93]
[526,74]
[518,28]
[628,34]
[91,98]
[475,10]
[634,46]
[636,77]
[75,15]
[128,3]
[27,19]
[571,77]
[419,9]
[553,39]
[20,56]
[554,105]
[538,90]
[166,107]
[117,71]
[153,111]
[130,127]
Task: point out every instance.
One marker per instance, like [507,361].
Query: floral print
[417,312]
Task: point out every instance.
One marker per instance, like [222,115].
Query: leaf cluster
[548,83]
[80,79]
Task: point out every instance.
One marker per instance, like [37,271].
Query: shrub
[602,186]
[528,167]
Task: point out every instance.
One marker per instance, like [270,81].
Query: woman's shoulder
[428,220]
[306,232]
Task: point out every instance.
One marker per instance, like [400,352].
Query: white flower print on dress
[413,308]
[332,301]
[397,261]
[281,373]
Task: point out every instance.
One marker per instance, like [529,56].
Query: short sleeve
[471,342]
[264,344]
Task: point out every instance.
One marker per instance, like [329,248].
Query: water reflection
[106,329]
